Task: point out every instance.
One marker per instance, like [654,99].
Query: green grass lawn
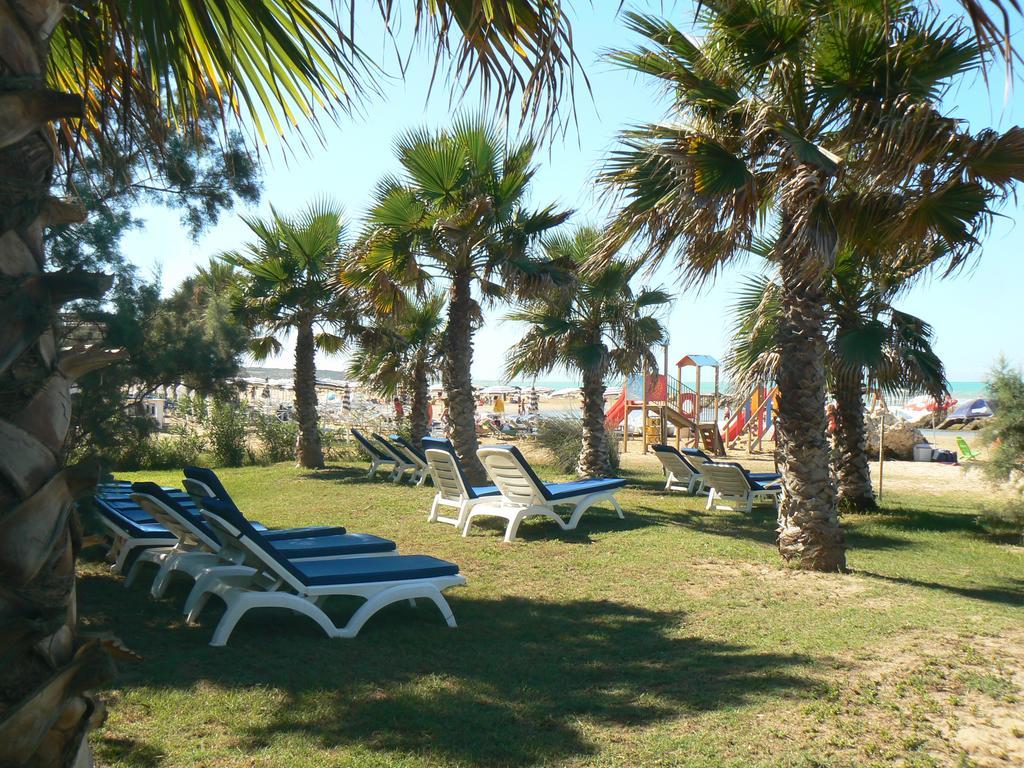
[674,637]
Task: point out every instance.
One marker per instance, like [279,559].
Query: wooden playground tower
[665,400]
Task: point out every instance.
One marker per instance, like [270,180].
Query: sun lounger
[202,483]
[414,456]
[523,494]
[680,474]
[402,464]
[731,487]
[277,582]
[453,487]
[130,527]
[378,457]
[965,450]
[199,552]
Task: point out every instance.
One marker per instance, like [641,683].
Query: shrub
[562,436]
[155,452]
[226,428]
[277,438]
[339,448]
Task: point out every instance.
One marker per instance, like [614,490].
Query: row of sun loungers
[207,538]
[728,484]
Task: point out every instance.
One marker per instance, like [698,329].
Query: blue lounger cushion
[137,530]
[558,491]
[373,569]
[355,570]
[410,447]
[475,491]
[561,491]
[370,448]
[333,546]
[209,478]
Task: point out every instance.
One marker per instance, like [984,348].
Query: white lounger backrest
[197,490]
[188,534]
[447,478]
[674,465]
[725,479]
[512,479]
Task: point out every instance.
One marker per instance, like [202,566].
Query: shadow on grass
[1010,592]
[907,519]
[344,474]
[129,752]
[515,685]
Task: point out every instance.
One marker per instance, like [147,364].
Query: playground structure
[694,412]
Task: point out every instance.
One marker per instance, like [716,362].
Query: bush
[225,426]
[171,452]
[338,448]
[562,436]
[277,438]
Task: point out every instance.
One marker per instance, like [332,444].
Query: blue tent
[977,408]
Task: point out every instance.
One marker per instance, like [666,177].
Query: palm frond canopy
[595,323]
[778,112]
[156,66]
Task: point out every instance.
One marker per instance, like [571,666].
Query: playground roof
[698,360]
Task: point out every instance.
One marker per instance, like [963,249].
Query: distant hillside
[287,373]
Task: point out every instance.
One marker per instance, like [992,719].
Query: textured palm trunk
[809,528]
[456,378]
[851,446]
[419,412]
[309,452]
[46,667]
[594,455]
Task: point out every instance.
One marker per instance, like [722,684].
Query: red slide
[613,417]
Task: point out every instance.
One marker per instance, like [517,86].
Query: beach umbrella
[533,403]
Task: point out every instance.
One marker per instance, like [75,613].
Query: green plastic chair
[965,450]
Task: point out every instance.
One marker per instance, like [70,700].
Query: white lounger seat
[680,473]
[732,487]
[524,495]
[453,487]
[273,581]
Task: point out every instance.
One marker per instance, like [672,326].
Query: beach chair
[698,459]
[524,495]
[130,527]
[200,553]
[453,487]
[202,483]
[274,581]
[402,465]
[414,456]
[731,487]
[680,474]
[965,450]
[378,457]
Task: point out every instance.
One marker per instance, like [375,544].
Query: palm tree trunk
[594,456]
[456,376]
[45,711]
[855,491]
[308,451]
[808,521]
[419,411]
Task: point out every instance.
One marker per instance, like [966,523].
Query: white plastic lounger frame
[420,471]
[522,498]
[402,465]
[281,589]
[729,488]
[680,476]
[377,456]
[123,543]
[451,489]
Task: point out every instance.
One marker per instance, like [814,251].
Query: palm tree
[151,67]
[777,108]
[457,212]
[400,353]
[287,284]
[867,337]
[595,325]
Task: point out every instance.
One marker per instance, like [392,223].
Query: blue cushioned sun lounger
[402,464]
[680,472]
[377,456]
[414,457]
[523,494]
[453,488]
[130,529]
[199,552]
[274,581]
[731,487]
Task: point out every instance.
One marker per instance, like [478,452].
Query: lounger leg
[618,509]
[513,527]
[162,580]
[386,598]
[122,557]
[207,583]
[432,515]
[711,498]
[132,573]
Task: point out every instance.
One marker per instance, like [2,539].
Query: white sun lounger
[732,487]
[681,474]
[201,554]
[413,456]
[402,464]
[276,582]
[131,528]
[524,495]
[453,487]
[378,457]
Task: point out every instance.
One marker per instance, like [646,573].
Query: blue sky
[977,315]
